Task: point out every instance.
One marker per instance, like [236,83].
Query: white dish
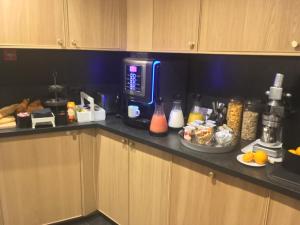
[253,164]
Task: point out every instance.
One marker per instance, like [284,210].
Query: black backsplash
[210,75]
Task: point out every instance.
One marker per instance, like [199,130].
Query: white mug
[133,111]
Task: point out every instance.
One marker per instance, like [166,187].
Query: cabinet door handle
[60,42]
[294,44]
[192,45]
[211,175]
[74,43]
[124,141]
[131,144]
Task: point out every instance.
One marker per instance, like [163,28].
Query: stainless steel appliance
[272,119]
[141,77]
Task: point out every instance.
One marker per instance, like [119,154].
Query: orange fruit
[248,157]
[293,151]
[261,157]
[298,151]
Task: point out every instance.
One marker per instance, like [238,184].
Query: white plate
[253,164]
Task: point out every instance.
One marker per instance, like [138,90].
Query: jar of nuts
[250,120]
[234,116]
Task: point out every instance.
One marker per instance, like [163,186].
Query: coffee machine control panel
[133,82]
[140,79]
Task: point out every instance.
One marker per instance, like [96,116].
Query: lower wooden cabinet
[113,177]
[283,210]
[133,181]
[201,196]
[40,179]
[149,185]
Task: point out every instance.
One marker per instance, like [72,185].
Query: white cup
[133,111]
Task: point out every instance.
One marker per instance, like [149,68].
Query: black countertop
[225,162]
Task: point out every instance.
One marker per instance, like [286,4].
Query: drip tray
[284,177]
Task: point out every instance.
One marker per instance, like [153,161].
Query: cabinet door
[88,159]
[249,25]
[113,177]
[95,24]
[32,23]
[197,198]
[40,179]
[175,25]
[237,202]
[283,210]
[191,193]
[149,184]
[139,25]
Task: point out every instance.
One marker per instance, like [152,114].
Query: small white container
[94,113]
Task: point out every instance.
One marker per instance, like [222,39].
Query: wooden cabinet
[113,177]
[283,210]
[40,179]
[95,24]
[32,23]
[176,25]
[88,162]
[149,185]
[133,184]
[202,196]
[139,25]
[249,26]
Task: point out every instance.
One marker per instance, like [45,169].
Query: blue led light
[155,63]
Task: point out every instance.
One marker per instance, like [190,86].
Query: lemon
[298,151]
[261,157]
[248,157]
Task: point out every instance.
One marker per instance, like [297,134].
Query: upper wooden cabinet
[139,25]
[250,26]
[176,25]
[32,23]
[202,196]
[283,210]
[40,179]
[95,24]
[149,185]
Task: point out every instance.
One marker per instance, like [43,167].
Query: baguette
[8,110]
[7,119]
[8,125]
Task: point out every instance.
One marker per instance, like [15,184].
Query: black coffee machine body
[140,89]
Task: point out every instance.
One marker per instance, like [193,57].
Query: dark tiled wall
[30,75]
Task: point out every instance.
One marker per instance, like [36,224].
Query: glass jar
[196,113]
[250,120]
[234,115]
[159,124]
[176,119]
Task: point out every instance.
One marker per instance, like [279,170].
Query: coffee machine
[140,90]
[272,119]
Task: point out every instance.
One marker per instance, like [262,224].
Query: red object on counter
[159,124]
[9,55]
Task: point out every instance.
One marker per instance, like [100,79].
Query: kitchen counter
[225,162]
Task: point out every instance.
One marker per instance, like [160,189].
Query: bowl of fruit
[291,160]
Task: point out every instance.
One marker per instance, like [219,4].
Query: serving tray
[205,148]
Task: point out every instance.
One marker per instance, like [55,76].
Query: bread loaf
[8,125]
[7,119]
[8,110]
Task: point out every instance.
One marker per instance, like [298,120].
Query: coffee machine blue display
[141,77]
